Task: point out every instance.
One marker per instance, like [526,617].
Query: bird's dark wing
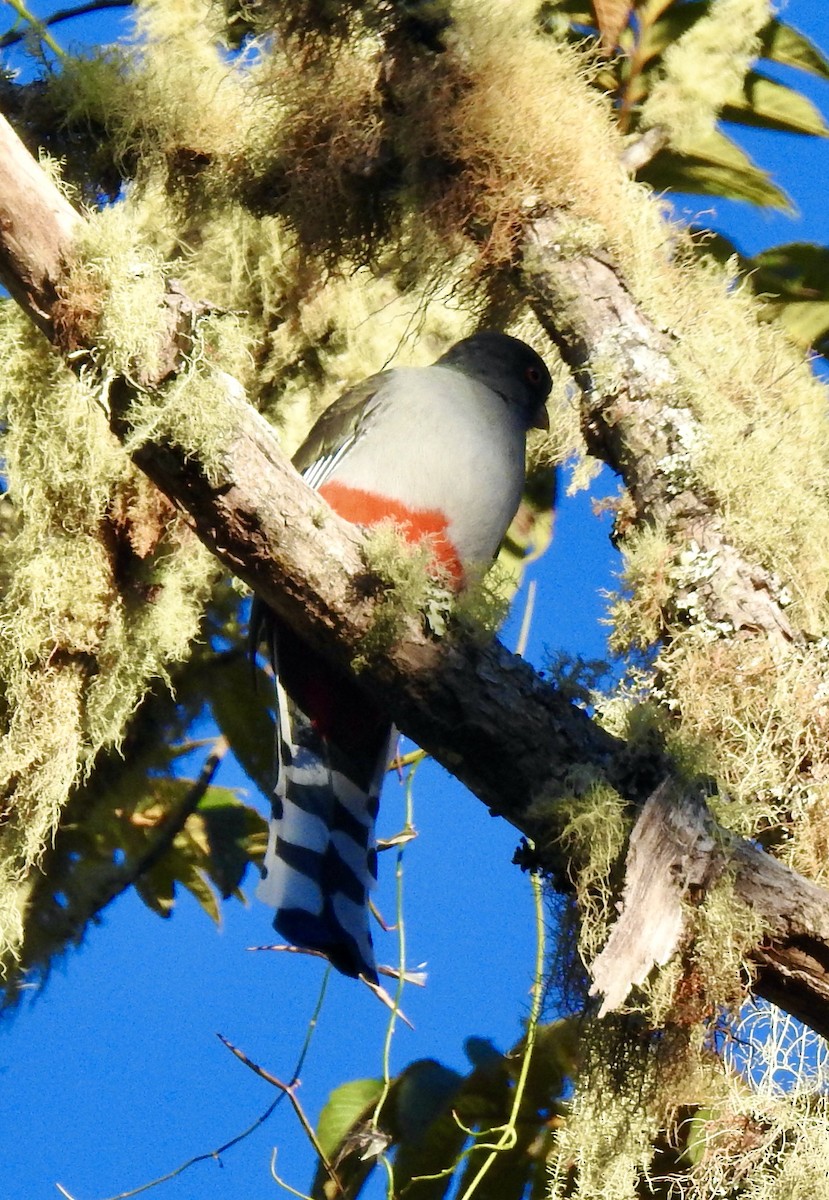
[338,428]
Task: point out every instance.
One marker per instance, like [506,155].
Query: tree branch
[37,226]
[13,36]
[483,713]
[628,424]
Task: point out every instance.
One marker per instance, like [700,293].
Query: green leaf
[796,269]
[421,1093]
[157,888]
[239,697]
[430,1138]
[344,1108]
[807,321]
[779,42]
[715,167]
[190,877]
[482,1052]
[236,835]
[552,1063]
[793,282]
[766,104]
[216,843]
[428,1108]
[783,44]
[342,1125]
[676,21]
[509,1173]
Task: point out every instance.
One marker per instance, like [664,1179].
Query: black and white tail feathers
[332,751]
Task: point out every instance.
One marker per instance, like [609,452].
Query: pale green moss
[704,68]
[113,294]
[401,574]
[191,411]
[74,662]
[594,830]
[726,931]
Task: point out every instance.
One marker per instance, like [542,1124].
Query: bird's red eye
[532,375]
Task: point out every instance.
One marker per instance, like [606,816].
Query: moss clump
[100,595]
[192,410]
[634,1085]
[726,930]
[594,832]
[411,586]
[637,612]
[111,296]
[405,578]
[704,69]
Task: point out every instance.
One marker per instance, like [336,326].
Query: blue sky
[114,1075]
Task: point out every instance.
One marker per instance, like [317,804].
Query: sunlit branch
[39,24]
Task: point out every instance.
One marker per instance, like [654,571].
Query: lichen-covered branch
[637,417]
[516,742]
[634,418]
[675,854]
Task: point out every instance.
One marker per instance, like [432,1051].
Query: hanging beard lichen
[103,585]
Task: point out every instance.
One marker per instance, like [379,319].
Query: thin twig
[167,830]
[35,24]
[216,1154]
[401,949]
[289,1090]
[507,1131]
[282,1183]
[412,759]
[399,839]
[526,619]
[418,978]
[509,1136]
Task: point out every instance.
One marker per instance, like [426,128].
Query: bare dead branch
[289,1090]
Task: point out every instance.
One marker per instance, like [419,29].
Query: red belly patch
[415,524]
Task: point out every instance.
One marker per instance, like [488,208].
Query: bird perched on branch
[438,450]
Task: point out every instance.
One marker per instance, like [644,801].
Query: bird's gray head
[507,366]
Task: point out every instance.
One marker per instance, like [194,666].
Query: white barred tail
[321,860]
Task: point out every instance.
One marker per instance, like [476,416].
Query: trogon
[439,451]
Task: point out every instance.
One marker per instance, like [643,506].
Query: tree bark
[37,225]
[675,853]
[583,304]
[482,712]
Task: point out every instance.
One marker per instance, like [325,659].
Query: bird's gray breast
[438,440]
